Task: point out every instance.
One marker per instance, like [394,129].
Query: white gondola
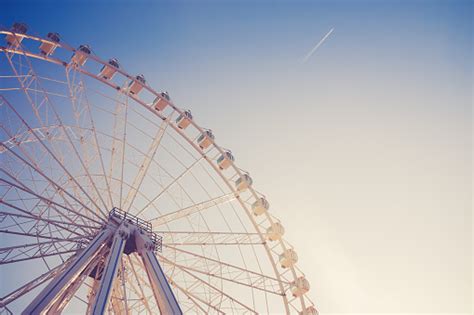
[260,206]
[135,86]
[225,160]
[108,71]
[14,40]
[205,139]
[47,48]
[275,231]
[184,119]
[310,310]
[288,258]
[80,55]
[161,101]
[299,287]
[243,182]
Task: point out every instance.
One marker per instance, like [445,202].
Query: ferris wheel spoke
[235,279]
[188,294]
[31,135]
[185,212]
[50,205]
[213,244]
[124,141]
[15,254]
[31,285]
[48,202]
[48,237]
[173,238]
[26,189]
[52,132]
[59,224]
[55,158]
[11,251]
[211,287]
[122,289]
[77,100]
[225,266]
[159,184]
[119,118]
[133,163]
[138,180]
[96,142]
[33,166]
[46,98]
[142,281]
[27,224]
[194,298]
[139,282]
[175,180]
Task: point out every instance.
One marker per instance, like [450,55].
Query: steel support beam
[122,233]
[66,296]
[110,271]
[164,296]
[62,281]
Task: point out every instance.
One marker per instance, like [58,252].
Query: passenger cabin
[161,101]
[260,206]
[205,139]
[288,258]
[14,40]
[80,55]
[299,287]
[48,47]
[225,160]
[310,310]
[135,86]
[184,119]
[243,182]
[108,71]
[275,231]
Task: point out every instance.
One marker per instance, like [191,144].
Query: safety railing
[142,224]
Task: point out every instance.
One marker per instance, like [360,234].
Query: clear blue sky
[373,133]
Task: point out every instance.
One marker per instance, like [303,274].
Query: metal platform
[122,216]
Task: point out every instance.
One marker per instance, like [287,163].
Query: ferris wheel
[114,200]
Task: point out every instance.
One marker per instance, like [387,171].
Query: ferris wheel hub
[136,225]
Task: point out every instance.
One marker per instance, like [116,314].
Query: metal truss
[121,235]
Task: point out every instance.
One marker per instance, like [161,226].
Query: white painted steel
[184,126]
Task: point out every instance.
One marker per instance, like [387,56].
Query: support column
[62,281]
[164,296]
[58,306]
[110,271]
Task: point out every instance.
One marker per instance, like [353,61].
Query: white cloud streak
[305,59]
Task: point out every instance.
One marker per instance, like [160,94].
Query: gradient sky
[364,151]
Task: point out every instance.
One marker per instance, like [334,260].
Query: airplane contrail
[317,46]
